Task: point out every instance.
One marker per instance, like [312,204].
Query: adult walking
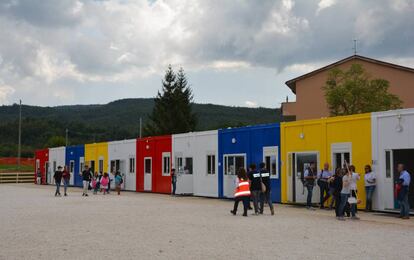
[242,192]
[255,186]
[266,195]
[66,179]
[86,177]
[309,182]
[404,180]
[370,184]
[58,179]
[335,183]
[323,177]
[173,181]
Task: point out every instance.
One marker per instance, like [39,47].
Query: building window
[271,165]
[71,167]
[234,162]
[179,164]
[100,166]
[132,165]
[211,164]
[188,169]
[166,164]
[92,166]
[147,166]
[54,166]
[388,164]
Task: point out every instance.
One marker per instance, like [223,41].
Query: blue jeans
[309,198]
[65,185]
[344,200]
[57,188]
[403,200]
[174,187]
[369,191]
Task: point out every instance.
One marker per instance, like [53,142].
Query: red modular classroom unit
[42,162]
[154,164]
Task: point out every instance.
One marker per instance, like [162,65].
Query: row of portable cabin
[206,162]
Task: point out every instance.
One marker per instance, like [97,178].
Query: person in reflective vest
[242,192]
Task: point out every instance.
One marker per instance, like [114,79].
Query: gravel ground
[36,225]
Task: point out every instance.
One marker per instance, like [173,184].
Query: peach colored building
[310,99]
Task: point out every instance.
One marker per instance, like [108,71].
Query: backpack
[122,180]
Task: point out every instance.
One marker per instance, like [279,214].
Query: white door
[232,162]
[148,174]
[185,184]
[130,182]
[301,163]
[72,172]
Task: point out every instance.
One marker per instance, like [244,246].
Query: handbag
[354,200]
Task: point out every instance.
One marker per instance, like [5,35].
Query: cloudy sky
[234,52]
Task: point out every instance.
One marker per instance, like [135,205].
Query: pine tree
[172,112]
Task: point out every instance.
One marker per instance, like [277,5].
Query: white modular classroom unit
[57,157]
[196,163]
[392,143]
[122,156]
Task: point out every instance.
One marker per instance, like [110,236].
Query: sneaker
[233,212]
[86,195]
[272,211]
[406,217]
[244,214]
[354,218]
[66,194]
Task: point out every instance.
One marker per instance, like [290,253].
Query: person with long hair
[242,192]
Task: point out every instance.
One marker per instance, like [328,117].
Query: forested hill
[44,126]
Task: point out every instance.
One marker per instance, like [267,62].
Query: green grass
[13,168]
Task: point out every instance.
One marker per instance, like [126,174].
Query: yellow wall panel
[95,152]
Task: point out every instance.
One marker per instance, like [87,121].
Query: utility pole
[140,127]
[67,131]
[19,148]
[355,47]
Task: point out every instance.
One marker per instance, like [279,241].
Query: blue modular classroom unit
[240,147]
[75,160]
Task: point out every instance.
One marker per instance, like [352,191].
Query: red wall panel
[43,157]
[153,147]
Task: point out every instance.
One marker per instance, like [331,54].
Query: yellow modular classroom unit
[96,156]
[331,140]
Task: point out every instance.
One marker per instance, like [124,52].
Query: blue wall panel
[250,141]
[75,153]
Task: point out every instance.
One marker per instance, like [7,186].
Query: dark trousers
[309,187]
[265,196]
[256,199]
[57,188]
[337,198]
[245,200]
[324,192]
[65,185]
[174,187]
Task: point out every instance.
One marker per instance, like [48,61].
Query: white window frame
[81,164]
[340,148]
[211,164]
[179,164]
[273,150]
[54,166]
[101,159]
[166,155]
[225,156]
[148,158]
[132,165]
[72,169]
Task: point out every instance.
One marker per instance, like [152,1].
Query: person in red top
[66,178]
[242,192]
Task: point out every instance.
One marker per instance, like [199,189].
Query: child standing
[104,183]
[118,182]
[242,192]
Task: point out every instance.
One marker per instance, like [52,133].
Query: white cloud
[251,103]
[323,4]
[5,93]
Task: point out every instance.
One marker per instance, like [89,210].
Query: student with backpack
[242,192]
[104,183]
[118,182]
[86,177]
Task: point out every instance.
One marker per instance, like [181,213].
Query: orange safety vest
[243,189]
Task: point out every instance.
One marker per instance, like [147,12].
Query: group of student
[253,185]
[94,181]
[342,187]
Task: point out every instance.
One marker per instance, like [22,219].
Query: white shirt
[370,179]
[324,174]
[354,179]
